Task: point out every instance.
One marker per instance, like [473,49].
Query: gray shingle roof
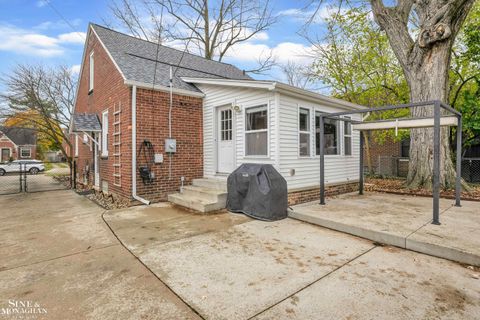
[20,136]
[87,122]
[136,59]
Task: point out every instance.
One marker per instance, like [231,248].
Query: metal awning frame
[89,136]
[437,110]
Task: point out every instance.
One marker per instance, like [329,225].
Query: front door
[225,147]
[5,156]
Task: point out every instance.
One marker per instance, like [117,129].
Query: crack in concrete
[59,257]
[315,281]
[147,268]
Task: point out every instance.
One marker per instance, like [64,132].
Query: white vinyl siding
[338,168]
[283,136]
[105,133]
[91,72]
[245,98]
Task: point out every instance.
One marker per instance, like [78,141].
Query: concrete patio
[402,221]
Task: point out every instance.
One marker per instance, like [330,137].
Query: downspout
[134,148]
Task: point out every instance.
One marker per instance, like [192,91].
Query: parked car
[31,166]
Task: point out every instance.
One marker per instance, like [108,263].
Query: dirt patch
[451,298]
[397,186]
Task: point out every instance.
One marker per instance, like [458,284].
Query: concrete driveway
[59,255]
[57,252]
[230,267]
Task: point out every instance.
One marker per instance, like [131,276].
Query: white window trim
[340,146]
[346,136]
[104,136]
[309,132]
[260,156]
[76,145]
[29,152]
[91,73]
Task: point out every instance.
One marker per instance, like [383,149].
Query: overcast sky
[31,31]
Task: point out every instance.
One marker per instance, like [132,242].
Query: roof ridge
[161,45]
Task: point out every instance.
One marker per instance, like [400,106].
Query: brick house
[17,144]
[150,121]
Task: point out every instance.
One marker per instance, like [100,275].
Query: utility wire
[63,18]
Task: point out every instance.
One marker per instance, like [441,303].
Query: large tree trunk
[425,62]
[428,80]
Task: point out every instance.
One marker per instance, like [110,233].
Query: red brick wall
[109,91]
[389,148]
[307,195]
[187,129]
[152,124]
[7,143]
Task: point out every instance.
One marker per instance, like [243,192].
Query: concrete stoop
[204,195]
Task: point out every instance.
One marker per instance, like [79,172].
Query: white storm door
[225,146]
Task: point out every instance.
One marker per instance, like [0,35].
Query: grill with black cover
[259,191]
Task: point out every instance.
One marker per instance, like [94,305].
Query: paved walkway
[56,251]
[402,221]
[230,267]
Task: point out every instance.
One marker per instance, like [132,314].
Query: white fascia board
[257,84]
[405,124]
[158,87]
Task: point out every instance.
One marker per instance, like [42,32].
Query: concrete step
[211,183]
[195,203]
[215,195]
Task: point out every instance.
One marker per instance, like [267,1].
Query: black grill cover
[258,191]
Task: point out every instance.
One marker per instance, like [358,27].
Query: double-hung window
[76,145]
[25,152]
[347,137]
[331,135]
[91,71]
[256,131]
[105,133]
[304,132]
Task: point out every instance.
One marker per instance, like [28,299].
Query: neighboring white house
[271,122]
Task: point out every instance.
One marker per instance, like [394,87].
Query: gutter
[134,148]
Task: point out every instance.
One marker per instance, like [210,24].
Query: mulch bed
[397,186]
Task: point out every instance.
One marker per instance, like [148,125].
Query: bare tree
[40,98]
[297,74]
[209,28]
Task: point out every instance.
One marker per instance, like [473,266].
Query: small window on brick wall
[25,153]
[105,133]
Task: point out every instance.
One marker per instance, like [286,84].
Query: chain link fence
[471,170]
[33,175]
[389,166]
